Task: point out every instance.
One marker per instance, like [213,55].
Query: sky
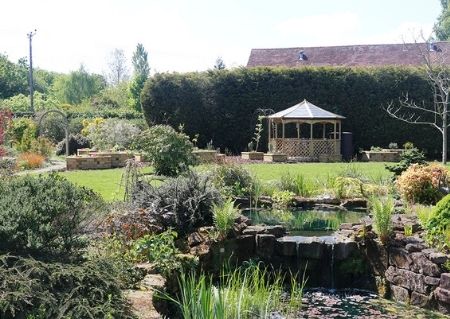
[189,35]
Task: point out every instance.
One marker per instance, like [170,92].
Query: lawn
[106,182]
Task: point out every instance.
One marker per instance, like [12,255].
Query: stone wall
[412,272]
[94,160]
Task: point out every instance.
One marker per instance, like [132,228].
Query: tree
[442,26]
[118,70]
[434,113]
[141,74]
[220,65]
[77,86]
[13,78]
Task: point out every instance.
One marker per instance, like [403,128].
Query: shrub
[183,203]
[110,133]
[438,224]
[222,105]
[76,142]
[224,215]
[42,146]
[53,127]
[419,184]
[169,151]
[42,215]
[30,161]
[233,180]
[282,199]
[160,250]
[23,131]
[408,157]
[34,289]
[7,166]
[382,210]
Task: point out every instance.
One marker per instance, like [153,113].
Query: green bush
[408,157]
[233,180]
[296,184]
[42,146]
[438,224]
[42,215]
[76,142]
[169,151]
[183,203]
[221,105]
[34,289]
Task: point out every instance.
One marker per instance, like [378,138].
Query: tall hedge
[220,105]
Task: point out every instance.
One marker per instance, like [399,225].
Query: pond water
[351,303]
[305,222]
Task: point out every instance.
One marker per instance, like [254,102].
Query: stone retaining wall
[412,272]
[95,160]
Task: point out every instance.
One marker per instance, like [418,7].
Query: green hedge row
[221,105]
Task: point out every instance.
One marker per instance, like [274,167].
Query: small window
[302,56]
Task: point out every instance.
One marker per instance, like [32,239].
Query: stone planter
[253,156]
[275,157]
[205,156]
[381,156]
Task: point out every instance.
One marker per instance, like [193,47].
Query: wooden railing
[312,148]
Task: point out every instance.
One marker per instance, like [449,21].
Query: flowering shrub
[110,133]
[30,161]
[419,184]
[42,146]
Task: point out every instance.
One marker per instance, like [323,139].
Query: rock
[342,250]
[400,294]
[276,230]
[253,230]
[286,248]
[195,239]
[445,281]
[407,279]
[399,258]
[346,226]
[241,202]
[414,240]
[420,300]
[246,246]
[415,247]
[438,258]
[265,245]
[354,203]
[239,228]
[243,219]
[313,249]
[432,281]
[442,295]
[421,264]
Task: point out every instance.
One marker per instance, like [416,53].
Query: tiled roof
[350,55]
[305,110]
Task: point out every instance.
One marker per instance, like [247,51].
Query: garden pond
[305,222]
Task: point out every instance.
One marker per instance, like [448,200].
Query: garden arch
[66,125]
[322,139]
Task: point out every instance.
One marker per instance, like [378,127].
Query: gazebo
[306,131]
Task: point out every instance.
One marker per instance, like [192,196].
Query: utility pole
[30,80]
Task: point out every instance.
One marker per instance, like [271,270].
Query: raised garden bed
[98,160]
[205,156]
[275,157]
[381,156]
[253,156]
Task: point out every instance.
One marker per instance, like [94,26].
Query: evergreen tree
[141,74]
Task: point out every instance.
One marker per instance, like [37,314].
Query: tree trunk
[444,136]
[444,144]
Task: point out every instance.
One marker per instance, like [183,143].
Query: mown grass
[106,182]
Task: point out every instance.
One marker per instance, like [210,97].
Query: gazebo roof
[305,110]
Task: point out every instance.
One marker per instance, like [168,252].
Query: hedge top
[305,110]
